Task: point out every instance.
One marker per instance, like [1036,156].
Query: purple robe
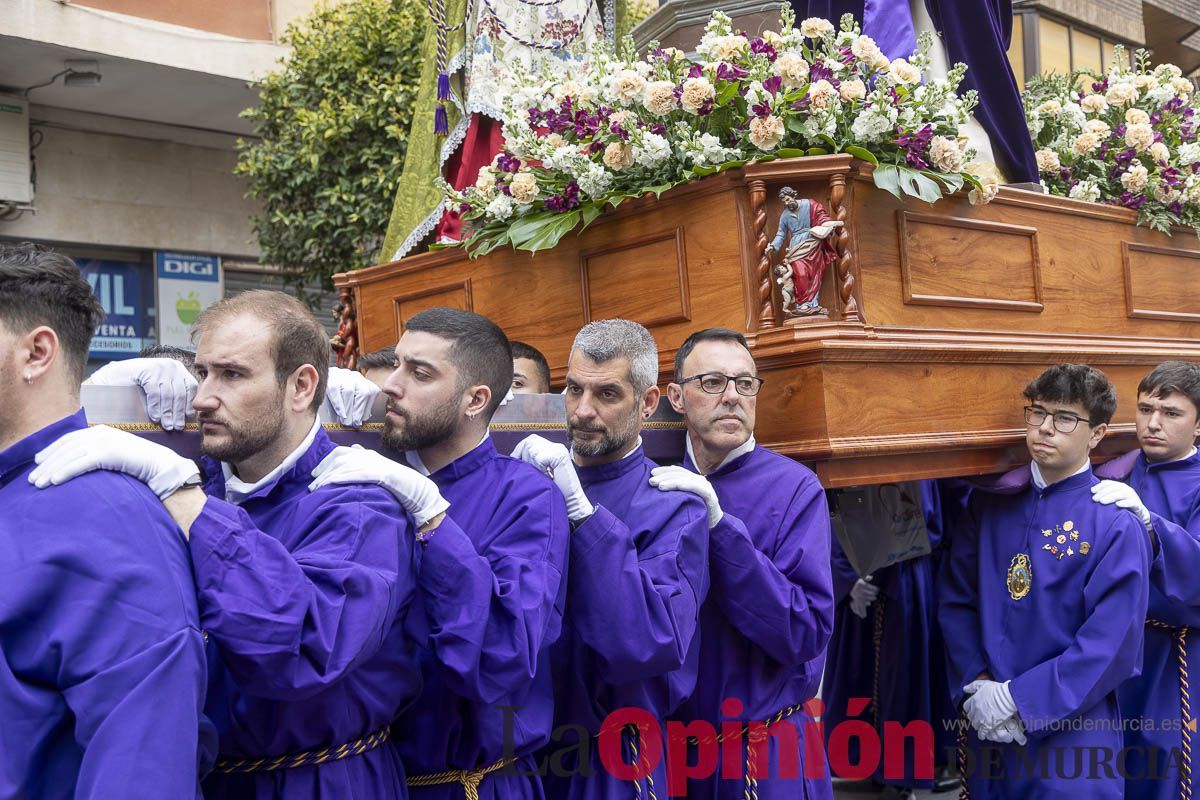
[304,596]
[767,621]
[1172,493]
[630,639]
[492,592]
[975,32]
[102,669]
[903,672]
[1047,589]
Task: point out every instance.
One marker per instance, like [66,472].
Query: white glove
[1008,731]
[1121,495]
[418,494]
[350,395]
[555,460]
[168,385]
[680,479]
[990,704]
[102,447]
[862,594]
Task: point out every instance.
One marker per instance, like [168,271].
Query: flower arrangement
[583,140]
[1129,138]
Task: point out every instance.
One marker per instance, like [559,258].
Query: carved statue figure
[804,230]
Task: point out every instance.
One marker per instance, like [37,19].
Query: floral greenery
[580,141]
[1126,138]
[333,126]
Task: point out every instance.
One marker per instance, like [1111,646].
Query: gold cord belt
[309,758]
[468,778]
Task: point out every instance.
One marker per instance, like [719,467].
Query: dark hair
[522,350]
[788,191]
[480,350]
[383,358]
[1170,377]
[1076,383]
[298,338]
[706,335]
[185,357]
[41,287]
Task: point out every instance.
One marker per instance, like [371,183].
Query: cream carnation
[1135,116]
[1094,103]
[727,48]
[524,188]
[555,140]
[1085,143]
[766,132]
[485,182]
[792,70]
[1159,152]
[822,94]
[1182,86]
[1136,178]
[865,49]
[1051,108]
[1121,94]
[1047,160]
[1098,127]
[903,72]
[660,98]
[853,90]
[945,154]
[1139,136]
[815,27]
[618,156]
[1145,82]
[696,92]
[628,85]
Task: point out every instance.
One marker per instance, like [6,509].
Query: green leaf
[952,181]
[589,213]
[862,154]
[917,185]
[887,178]
[817,151]
[794,124]
[791,152]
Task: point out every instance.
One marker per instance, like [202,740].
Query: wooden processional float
[937,316]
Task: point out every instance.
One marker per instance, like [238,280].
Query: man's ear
[303,383]
[477,399]
[675,396]
[1098,434]
[650,401]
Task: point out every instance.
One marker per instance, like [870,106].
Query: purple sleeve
[1107,647]
[958,607]
[782,601]
[289,624]
[638,610]
[1177,563]
[490,616]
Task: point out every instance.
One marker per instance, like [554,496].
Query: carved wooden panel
[456,295]
[644,280]
[1161,282]
[954,261]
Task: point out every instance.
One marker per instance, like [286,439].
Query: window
[1042,44]
[1016,50]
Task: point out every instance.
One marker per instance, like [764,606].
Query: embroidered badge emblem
[1020,576]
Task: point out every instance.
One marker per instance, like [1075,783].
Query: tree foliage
[333,124]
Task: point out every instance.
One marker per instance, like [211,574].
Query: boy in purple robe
[303,595]
[102,669]
[767,620]
[491,577]
[1042,603]
[1163,479]
[638,573]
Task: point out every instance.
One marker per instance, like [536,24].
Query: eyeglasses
[1064,421]
[715,383]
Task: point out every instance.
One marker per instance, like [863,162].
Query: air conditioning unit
[15,178]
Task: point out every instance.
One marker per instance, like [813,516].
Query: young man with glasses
[1042,604]
[768,618]
[1162,486]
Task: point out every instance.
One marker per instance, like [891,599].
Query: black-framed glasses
[1064,421]
[715,383]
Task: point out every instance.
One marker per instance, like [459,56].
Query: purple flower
[773,83]
[1130,200]
[729,72]
[696,71]
[507,162]
[567,200]
[1100,86]
[819,72]
[916,146]
[616,130]
[463,208]
[762,48]
[1176,208]
[659,129]
[762,109]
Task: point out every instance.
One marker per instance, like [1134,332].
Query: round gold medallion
[1020,576]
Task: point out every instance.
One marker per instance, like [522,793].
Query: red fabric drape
[483,141]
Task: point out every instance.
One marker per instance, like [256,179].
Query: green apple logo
[188,308]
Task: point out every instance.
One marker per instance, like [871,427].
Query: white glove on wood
[168,386]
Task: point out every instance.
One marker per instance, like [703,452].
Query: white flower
[1098,127]
[1051,108]
[774,39]
[1165,194]
[874,124]
[573,89]
[727,48]
[595,180]
[628,85]
[1085,190]
[660,98]
[1072,115]
[696,92]
[485,182]
[1135,116]
[766,132]
[1139,136]
[524,187]
[945,154]
[1168,71]
[756,93]
[500,208]
[853,89]
[1047,160]
[792,70]
[1136,178]
[1189,153]
[652,151]
[815,27]
[865,50]
[903,72]
[1121,94]
[822,95]
[618,156]
[1094,104]
[1085,143]
[1146,82]
[1182,86]
[1160,152]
